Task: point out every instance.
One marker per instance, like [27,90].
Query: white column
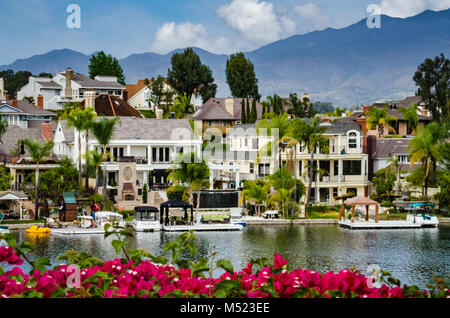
[341,169]
[128,150]
[20,209]
[237,178]
[211,179]
[339,144]
[149,154]
[144,177]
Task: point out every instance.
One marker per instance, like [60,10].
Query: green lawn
[21,221]
[324,215]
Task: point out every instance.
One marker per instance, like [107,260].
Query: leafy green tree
[106,65]
[240,77]
[301,107]
[384,181]
[160,96]
[378,118]
[29,99]
[254,192]
[55,181]
[44,74]
[191,170]
[188,75]
[182,106]
[103,131]
[5,179]
[323,108]
[38,152]
[433,81]
[3,127]
[15,81]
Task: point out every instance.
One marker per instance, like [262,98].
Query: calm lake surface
[413,256]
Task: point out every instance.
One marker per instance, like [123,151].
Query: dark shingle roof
[27,108]
[15,133]
[50,84]
[85,81]
[387,147]
[214,109]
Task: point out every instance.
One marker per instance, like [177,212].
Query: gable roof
[387,147]
[113,106]
[87,82]
[133,89]
[214,109]
[15,133]
[27,108]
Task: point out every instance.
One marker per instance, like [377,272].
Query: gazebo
[174,203]
[359,200]
[14,196]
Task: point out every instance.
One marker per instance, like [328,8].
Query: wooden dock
[77,231]
[202,227]
[366,225]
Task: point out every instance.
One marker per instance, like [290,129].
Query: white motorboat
[103,217]
[3,228]
[91,225]
[146,219]
[425,220]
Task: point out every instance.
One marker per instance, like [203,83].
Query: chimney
[159,113]
[47,131]
[366,109]
[90,98]
[14,103]
[40,101]
[229,105]
[69,77]
[125,95]
[371,149]
[362,122]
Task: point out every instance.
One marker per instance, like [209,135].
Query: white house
[139,94]
[67,86]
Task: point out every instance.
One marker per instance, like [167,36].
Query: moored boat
[146,219]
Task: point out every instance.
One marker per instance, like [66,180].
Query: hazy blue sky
[32,27]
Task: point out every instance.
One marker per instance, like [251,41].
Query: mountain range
[350,66]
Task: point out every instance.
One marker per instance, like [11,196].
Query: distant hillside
[353,65]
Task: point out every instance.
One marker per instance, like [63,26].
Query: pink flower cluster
[146,279]
[9,255]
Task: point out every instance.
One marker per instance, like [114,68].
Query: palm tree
[282,184]
[96,158]
[38,152]
[191,170]
[438,133]
[378,118]
[273,124]
[103,131]
[422,149]
[310,134]
[89,115]
[410,115]
[253,192]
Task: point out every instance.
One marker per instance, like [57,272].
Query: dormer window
[352,139]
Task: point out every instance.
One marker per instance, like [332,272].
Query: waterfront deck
[202,227]
[364,225]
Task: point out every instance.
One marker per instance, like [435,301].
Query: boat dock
[365,225]
[202,227]
[77,231]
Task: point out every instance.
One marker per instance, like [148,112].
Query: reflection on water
[413,256]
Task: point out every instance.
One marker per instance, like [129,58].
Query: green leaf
[226,265]
[200,266]
[220,293]
[117,245]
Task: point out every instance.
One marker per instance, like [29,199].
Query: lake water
[413,256]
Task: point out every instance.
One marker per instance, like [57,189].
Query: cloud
[171,36]
[256,20]
[407,8]
[311,17]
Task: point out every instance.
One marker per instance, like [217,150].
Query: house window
[166,158]
[335,192]
[153,154]
[255,143]
[110,92]
[251,167]
[403,159]
[264,169]
[118,93]
[352,167]
[352,140]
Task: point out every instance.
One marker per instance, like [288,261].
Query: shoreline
[249,222]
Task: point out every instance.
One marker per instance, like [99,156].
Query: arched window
[352,139]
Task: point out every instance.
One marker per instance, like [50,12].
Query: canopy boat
[38,230]
[420,214]
[103,217]
[146,219]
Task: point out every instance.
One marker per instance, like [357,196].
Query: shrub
[176,192]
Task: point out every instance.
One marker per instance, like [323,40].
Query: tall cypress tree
[254,114]
[247,112]
[243,115]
